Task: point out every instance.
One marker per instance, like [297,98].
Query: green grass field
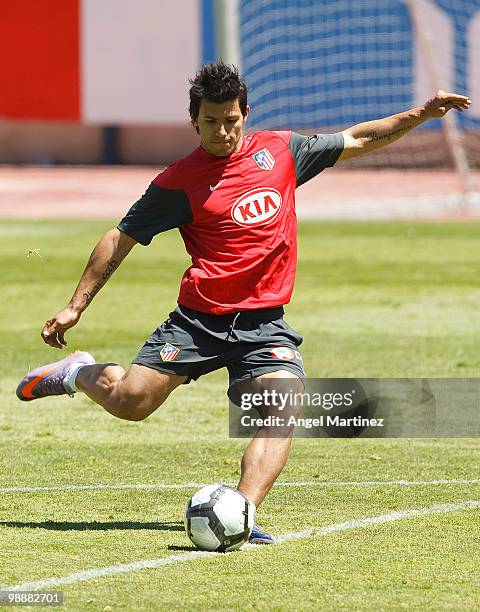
[380,299]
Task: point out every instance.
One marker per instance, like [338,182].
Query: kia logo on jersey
[258,206]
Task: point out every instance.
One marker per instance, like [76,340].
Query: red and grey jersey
[236,215]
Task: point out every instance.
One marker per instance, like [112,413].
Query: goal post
[453,136]
[227,32]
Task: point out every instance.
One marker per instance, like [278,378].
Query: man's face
[220,126]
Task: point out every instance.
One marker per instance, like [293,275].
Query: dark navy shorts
[248,343]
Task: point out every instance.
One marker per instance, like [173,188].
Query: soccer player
[233,200]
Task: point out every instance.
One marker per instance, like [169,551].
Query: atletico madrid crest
[169,352]
[264,159]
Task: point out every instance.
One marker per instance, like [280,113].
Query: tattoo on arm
[375,137]
[89,295]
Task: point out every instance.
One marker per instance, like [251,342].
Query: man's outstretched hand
[442,102]
[55,328]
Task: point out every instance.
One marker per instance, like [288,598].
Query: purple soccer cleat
[48,379]
[258,536]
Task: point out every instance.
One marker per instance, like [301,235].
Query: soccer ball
[219,518]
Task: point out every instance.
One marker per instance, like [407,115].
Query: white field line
[197,485]
[125,568]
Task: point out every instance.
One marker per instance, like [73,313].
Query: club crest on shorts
[283,352]
[264,159]
[169,352]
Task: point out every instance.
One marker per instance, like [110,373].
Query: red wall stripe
[40,59]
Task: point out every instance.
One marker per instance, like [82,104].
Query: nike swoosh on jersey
[213,187]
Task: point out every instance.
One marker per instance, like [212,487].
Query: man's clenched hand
[55,328]
[442,102]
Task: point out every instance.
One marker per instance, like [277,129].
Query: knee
[134,407]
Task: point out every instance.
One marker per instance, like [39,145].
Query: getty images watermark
[365,407]
[281,403]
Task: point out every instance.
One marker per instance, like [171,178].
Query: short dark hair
[217,82]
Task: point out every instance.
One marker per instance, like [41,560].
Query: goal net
[325,65]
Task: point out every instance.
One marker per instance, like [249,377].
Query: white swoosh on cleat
[213,187]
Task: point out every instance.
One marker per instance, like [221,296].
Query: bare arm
[365,137]
[104,260]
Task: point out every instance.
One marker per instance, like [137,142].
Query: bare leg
[267,453]
[262,462]
[131,395]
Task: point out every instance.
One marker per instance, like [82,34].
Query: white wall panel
[137,56]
